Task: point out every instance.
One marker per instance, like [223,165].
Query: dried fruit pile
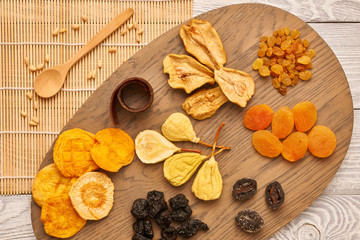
[285,57]
[155,207]
[68,191]
[321,141]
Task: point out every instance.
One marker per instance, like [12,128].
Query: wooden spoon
[50,81]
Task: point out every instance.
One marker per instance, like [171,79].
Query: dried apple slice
[186,73]
[50,183]
[202,41]
[238,86]
[60,218]
[92,195]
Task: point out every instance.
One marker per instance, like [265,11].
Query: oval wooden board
[239,27]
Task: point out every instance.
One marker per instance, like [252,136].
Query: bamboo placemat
[26,32]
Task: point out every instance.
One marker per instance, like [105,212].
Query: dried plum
[181,214]
[140,208]
[156,202]
[163,218]
[138,236]
[190,227]
[144,228]
[244,189]
[169,233]
[179,201]
[249,221]
[274,195]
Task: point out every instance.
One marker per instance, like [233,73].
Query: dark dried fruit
[181,214]
[156,202]
[249,220]
[244,189]
[163,219]
[190,227]
[144,228]
[169,233]
[179,201]
[140,208]
[274,195]
[138,236]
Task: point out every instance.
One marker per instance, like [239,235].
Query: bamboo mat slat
[26,31]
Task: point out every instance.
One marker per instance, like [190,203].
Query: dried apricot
[282,123]
[295,146]
[258,117]
[322,141]
[258,63]
[305,116]
[266,143]
[264,71]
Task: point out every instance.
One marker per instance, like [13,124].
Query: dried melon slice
[92,195]
[50,183]
[60,218]
[113,149]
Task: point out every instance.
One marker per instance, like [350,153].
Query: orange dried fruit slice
[72,153]
[282,123]
[266,143]
[322,141]
[258,117]
[305,116]
[113,149]
[60,218]
[92,195]
[295,146]
[49,183]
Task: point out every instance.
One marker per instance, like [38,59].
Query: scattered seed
[40,66]
[100,63]
[26,61]
[55,32]
[63,30]
[23,113]
[137,38]
[123,60]
[135,25]
[84,18]
[123,32]
[32,68]
[75,27]
[32,123]
[140,32]
[29,95]
[47,57]
[130,26]
[36,105]
[93,74]
[89,75]
[35,120]
[112,50]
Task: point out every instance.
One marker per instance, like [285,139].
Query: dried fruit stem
[208,156]
[189,150]
[209,145]
[216,137]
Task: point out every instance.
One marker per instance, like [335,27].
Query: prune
[156,202]
[179,201]
[140,208]
[249,220]
[244,189]
[163,218]
[138,236]
[181,214]
[274,195]
[190,227]
[144,228]
[169,233]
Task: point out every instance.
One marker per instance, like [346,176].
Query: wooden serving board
[240,28]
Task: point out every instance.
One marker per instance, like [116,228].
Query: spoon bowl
[49,82]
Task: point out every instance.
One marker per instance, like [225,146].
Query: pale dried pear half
[92,195]
[204,103]
[186,73]
[238,86]
[177,127]
[49,183]
[152,147]
[202,41]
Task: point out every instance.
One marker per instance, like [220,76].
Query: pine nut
[55,32]
[40,66]
[63,30]
[32,68]
[89,75]
[130,26]
[135,25]
[140,32]
[36,105]
[32,123]
[93,75]
[137,38]
[75,27]
[23,113]
[35,120]
[123,32]
[47,57]
[112,50]
[26,61]
[84,18]
[100,63]
[29,95]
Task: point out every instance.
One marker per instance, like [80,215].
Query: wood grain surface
[239,27]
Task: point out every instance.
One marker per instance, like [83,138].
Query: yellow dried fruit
[277,68]
[258,63]
[264,71]
[304,60]
[178,127]
[49,183]
[186,73]
[305,75]
[92,195]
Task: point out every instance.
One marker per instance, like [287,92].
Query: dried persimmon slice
[72,153]
[113,149]
[60,218]
[92,195]
[49,183]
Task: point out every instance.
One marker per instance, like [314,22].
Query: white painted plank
[309,11]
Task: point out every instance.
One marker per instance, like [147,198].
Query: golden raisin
[281,32]
[266,61]
[282,89]
[277,69]
[304,60]
[286,79]
[275,33]
[285,44]
[278,52]
[276,82]
[290,56]
[263,45]
[308,66]
[310,52]
[261,52]
[305,75]
[269,52]
[295,33]
[271,41]
[273,61]
[300,68]
[287,31]
[278,41]
[286,62]
[263,39]
[294,80]
[306,43]
[258,63]
[264,71]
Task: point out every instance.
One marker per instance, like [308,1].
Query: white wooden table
[336,213]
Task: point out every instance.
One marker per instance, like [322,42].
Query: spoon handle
[101,35]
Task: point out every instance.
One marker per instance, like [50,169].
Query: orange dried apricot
[322,141]
[295,146]
[266,143]
[258,117]
[305,116]
[282,123]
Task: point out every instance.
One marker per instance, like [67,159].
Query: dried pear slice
[177,127]
[204,103]
[60,218]
[92,195]
[186,73]
[49,183]
[202,41]
[238,86]
[113,149]
[72,152]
